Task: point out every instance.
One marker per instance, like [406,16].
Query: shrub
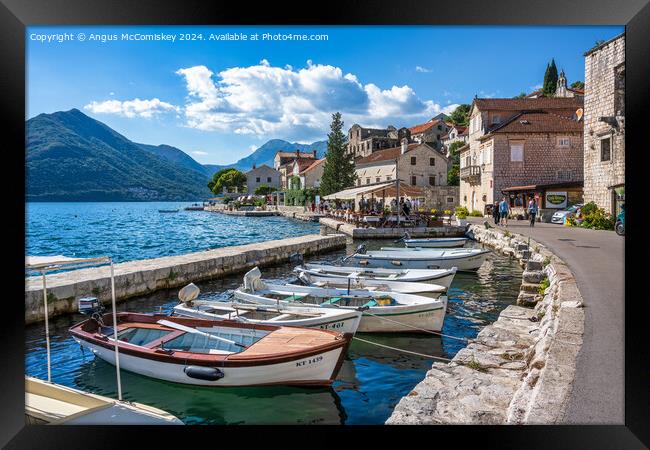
[598,220]
[227,200]
[447,212]
[476,213]
[543,286]
[461,212]
[264,189]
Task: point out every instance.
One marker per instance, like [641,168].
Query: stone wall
[389,233]
[518,370]
[604,73]
[441,197]
[142,277]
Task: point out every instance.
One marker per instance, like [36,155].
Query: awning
[389,187]
[539,187]
[349,194]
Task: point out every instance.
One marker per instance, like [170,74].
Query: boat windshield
[202,343]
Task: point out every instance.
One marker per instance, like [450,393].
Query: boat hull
[402,320]
[346,324]
[398,260]
[443,279]
[318,369]
[405,287]
[436,243]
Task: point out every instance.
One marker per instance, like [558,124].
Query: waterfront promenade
[596,259]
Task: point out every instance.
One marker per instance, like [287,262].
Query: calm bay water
[128,231]
[372,379]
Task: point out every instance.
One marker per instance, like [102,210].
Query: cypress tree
[338,170]
[550,79]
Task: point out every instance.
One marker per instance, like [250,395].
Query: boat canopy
[47,263]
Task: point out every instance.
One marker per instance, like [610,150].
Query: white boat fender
[188,293]
[203,373]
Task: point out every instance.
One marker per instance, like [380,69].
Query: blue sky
[218,100]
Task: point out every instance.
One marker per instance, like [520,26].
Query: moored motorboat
[382,311]
[463,259]
[442,277]
[436,242]
[215,353]
[355,282]
[53,404]
[168,210]
[281,314]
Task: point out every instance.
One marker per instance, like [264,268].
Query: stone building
[262,175]
[519,142]
[561,89]
[363,141]
[430,132]
[309,173]
[419,167]
[457,133]
[283,162]
[604,125]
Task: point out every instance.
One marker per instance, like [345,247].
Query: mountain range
[73,157]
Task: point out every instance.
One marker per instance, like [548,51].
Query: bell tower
[560,88]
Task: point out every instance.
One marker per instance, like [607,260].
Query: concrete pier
[142,277]
[351,230]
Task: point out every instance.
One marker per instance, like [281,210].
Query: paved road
[596,259]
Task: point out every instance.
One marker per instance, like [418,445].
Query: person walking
[532,211]
[504,209]
[495,213]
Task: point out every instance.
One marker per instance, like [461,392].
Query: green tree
[578,85]
[460,116]
[453,175]
[228,178]
[338,169]
[264,189]
[550,79]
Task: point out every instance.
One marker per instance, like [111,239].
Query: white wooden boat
[53,404]
[448,251]
[442,277]
[436,242]
[463,259]
[354,282]
[343,321]
[382,311]
[215,353]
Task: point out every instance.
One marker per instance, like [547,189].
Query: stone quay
[143,277]
[391,233]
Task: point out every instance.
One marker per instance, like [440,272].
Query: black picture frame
[15,15]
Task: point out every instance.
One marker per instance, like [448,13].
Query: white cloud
[111,93]
[199,153]
[536,87]
[131,108]
[422,69]
[293,103]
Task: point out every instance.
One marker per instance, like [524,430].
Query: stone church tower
[560,89]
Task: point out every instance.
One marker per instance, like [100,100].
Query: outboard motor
[90,305]
[296,258]
[188,294]
[361,249]
[304,278]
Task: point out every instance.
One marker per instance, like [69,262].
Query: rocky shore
[518,370]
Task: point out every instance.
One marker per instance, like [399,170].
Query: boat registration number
[332,326]
[306,362]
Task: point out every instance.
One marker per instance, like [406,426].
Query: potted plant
[461,216]
[447,214]
[435,217]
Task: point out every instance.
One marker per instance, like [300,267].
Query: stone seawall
[391,233]
[518,370]
[142,277]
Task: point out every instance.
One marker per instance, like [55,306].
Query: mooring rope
[401,350]
[416,328]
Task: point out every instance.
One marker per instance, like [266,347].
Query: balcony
[471,174]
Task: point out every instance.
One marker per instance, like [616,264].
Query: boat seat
[331,301]
[370,304]
[293,298]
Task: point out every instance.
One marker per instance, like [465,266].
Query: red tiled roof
[303,163]
[461,130]
[538,122]
[514,104]
[385,155]
[292,154]
[423,127]
[313,165]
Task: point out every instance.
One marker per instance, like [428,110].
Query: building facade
[457,133]
[363,141]
[284,163]
[430,133]
[309,173]
[604,125]
[262,175]
[517,142]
